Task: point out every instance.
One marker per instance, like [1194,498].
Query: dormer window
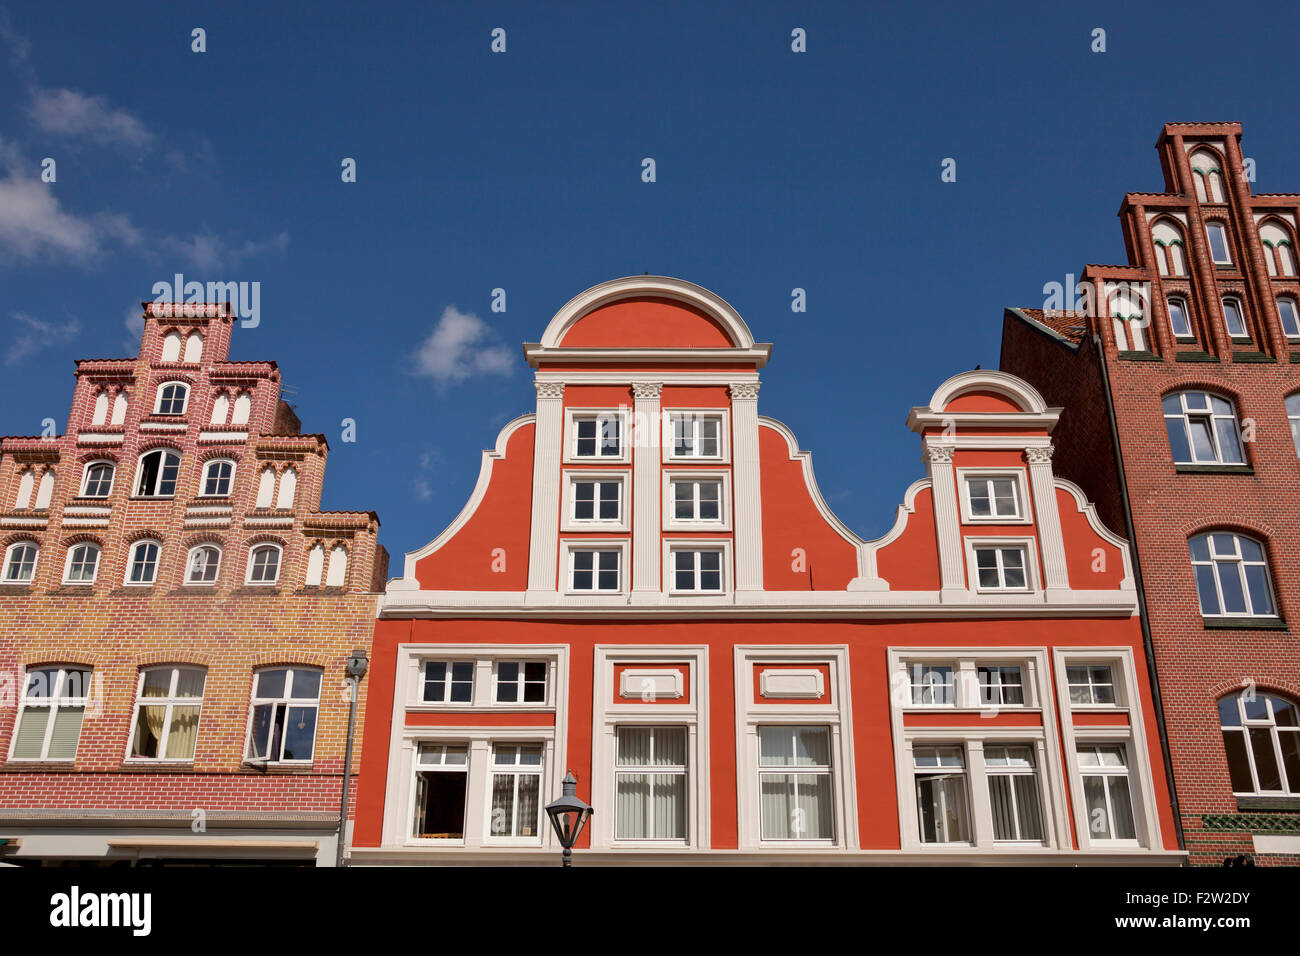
[172,398]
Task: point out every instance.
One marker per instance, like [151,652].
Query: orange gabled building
[647,588]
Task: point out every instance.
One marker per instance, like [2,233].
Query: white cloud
[135,326]
[34,224]
[71,113]
[208,252]
[38,335]
[460,346]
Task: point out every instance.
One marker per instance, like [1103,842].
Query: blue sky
[522,171]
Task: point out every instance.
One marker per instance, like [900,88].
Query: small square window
[448,682]
[1090,683]
[1001,685]
[595,569]
[697,571]
[931,684]
[1001,568]
[994,497]
[598,436]
[521,682]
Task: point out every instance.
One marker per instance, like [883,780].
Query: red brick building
[646,587]
[1181,420]
[175,615]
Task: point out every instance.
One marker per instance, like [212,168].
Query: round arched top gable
[1014,390]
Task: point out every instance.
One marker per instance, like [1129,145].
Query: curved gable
[647,323]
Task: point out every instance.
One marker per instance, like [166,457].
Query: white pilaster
[747,497]
[1047,516]
[547,447]
[646,457]
[947,524]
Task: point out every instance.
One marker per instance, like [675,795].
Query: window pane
[777,806]
[1229,446]
[979,498]
[1257,583]
[1001,803]
[67,728]
[300,733]
[775,747]
[632,806]
[1178,446]
[1094,798]
[31,732]
[812,747]
[1234,745]
[1123,808]
[1261,746]
[148,731]
[1228,715]
[462,682]
[633,746]
[670,747]
[1027,804]
[1205,590]
[1202,443]
[183,732]
[1234,598]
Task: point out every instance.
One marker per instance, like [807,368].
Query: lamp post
[568,815]
[358,664]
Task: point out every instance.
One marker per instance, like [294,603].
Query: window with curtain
[516,785]
[942,798]
[441,780]
[1013,793]
[1108,800]
[650,783]
[168,703]
[1202,429]
[285,704]
[1232,578]
[50,713]
[794,777]
[1261,738]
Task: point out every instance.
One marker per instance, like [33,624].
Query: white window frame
[279,564]
[1240,562]
[1118,691]
[1033,583]
[672,523]
[1275,730]
[568,546]
[189,560]
[572,478]
[671,415]
[1013,771]
[571,418]
[1106,773]
[448,664]
[288,702]
[130,563]
[1292,405]
[168,702]
[1024,513]
[1295,315]
[158,398]
[1181,302]
[9,557]
[516,770]
[54,703]
[139,466]
[672,545]
[1184,416]
[944,770]
[85,478]
[965,663]
[1235,301]
[522,660]
[1211,228]
[67,563]
[207,467]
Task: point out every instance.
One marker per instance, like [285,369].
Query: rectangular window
[168,703]
[795,783]
[1090,683]
[1232,319]
[1001,685]
[1218,243]
[1107,799]
[697,571]
[448,682]
[1178,322]
[942,805]
[521,682]
[1286,311]
[931,683]
[598,436]
[1013,793]
[516,785]
[597,500]
[650,783]
[285,703]
[996,497]
[595,569]
[440,779]
[1001,569]
[697,500]
[50,714]
[697,436]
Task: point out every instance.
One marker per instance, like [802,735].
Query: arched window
[218,476]
[1179,323]
[142,566]
[1293,416]
[338,571]
[25,484]
[83,562]
[1278,250]
[97,479]
[171,351]
[220,408]
[1234,319]
[202,565]
[45,491]
[171,398]
[1202,429]
[157,471]
[243,405]
[315,565]
[119,408]
[1207,173]
[283,725]
[168,701]
[266,487]
[1261,738]
[1129,315]
[1232,578]
[1217,234]
[1168,241]
[101,409]
[50,713]
[1290,317]
[20,562]
[193,348]
[264,564]
[288,485]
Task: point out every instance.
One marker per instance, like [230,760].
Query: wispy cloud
[74,114]
[208,251]
[134,325]
[37,335]
[462,346]
[422,486]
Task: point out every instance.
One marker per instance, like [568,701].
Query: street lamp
[358,664]
[568,815]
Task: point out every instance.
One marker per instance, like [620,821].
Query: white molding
[1016,390]
[1089,510]
[671,544]
[490,457]
[1016,472]
[646,569]
[573,475]
[627,377]
[672,523]
[667,443]
[624,416]
[1033,579]
[622,545]
[792,683]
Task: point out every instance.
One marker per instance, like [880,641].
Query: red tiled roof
[1071,325]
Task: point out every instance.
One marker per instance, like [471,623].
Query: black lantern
[568,815]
